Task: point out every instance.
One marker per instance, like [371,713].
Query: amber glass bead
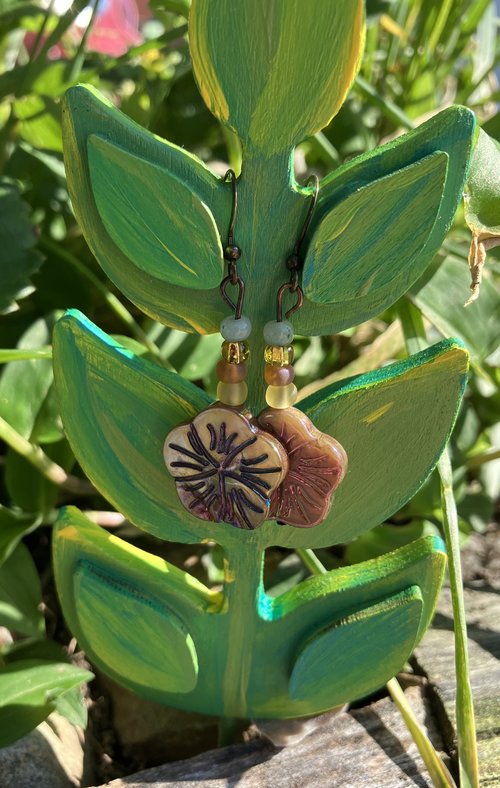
[278,356]
[233,394]
[278,376]
[235,352]
[281,396]
[230,373]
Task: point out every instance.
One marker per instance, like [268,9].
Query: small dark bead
[232,253]
[293,262]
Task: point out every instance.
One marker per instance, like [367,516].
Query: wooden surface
[369,747]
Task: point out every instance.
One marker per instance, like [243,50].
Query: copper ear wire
[232,254]
[294,262]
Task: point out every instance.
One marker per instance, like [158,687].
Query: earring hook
[232,254]
[294,262]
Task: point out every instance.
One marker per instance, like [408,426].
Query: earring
[317,463]
[225,468]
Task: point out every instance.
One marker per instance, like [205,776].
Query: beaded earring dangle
[230,467]
[317,463]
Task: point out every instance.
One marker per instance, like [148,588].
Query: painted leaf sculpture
[154,216]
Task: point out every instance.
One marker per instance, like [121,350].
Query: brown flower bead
[317,464]
[225,468]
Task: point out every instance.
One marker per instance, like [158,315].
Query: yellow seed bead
[281,397]
[278,356]
[235,352]
[233,394]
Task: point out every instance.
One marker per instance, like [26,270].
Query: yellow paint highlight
[229,575]
[69,532]
[376,414]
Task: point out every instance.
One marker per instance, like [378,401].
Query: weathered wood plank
[435,657]
[369,747]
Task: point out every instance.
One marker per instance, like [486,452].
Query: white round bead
[279,333]
[235,329]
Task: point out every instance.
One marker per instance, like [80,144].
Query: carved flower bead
[317,464]
[225,468]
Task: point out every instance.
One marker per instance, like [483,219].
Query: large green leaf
[86,114]
[17,240]
[21,594]
[255,63]
[24,385]
[451,132]
[13,526]
[117,410]
[441,295]
[28,690]
[154,218]
[482,190]
[395,215]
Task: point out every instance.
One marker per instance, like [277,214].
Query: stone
[51,756]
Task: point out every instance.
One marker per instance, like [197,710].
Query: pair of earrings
[231,467]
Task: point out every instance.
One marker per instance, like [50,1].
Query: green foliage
[419,56]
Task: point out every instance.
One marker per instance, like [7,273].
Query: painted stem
[415,337]
[243,589]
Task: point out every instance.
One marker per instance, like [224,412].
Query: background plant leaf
[20,259]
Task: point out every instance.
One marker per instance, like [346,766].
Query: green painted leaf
[366,649]
[375,416]
[86,114]
[440,295]
[371,243]
[17,240]
[28,690]
[450,131]
[21,594]
[254,63]
[130,610]
[482,190]
[117,410]
[154,218]
[393,424]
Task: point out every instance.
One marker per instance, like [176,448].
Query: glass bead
[278,332]
[233,394]
[278,356]
[278,376]
[235,352]
[235,329]
[230,373]
[281,397]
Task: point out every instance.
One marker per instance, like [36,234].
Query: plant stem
[22,354]
[415,337]
[47,467]
[311,560]
[389,109]
[328,152]
[483,458]
[466,726]
[439,774]
[112,301]
[437,770]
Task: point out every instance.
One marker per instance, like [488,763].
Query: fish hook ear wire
[232,254]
